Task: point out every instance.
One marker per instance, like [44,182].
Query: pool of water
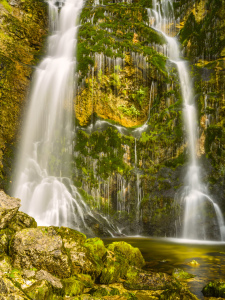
[166,254]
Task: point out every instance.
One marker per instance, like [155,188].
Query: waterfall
[194,196]
[46,148]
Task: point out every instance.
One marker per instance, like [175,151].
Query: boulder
[139,280]
[40,248]
[215,288]
[85,255]
[8,209]
[118,260]
[21,221]
[181,274]
[126,253]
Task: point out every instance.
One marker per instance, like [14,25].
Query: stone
[85,255]
[177,294]
[214,288]
[113,269]
[5,238]
[125,252]
[73,287]
[54,281]
[181,274]
[139,280]
[21,221]
[5,265]
[8,209]
[40,290]
[40,248]
[9,291]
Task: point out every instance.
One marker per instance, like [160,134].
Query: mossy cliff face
[60,263]
[23,25]
[125,80]
[135,174]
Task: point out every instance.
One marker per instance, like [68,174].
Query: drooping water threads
[202,217]
[44,161]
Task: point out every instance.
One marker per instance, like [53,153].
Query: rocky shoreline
[61,263]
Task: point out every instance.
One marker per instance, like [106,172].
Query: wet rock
[177,294]
[138,280]
[8,209]
[214,289]
[40,248]
[21,221]
[193,263]
[181,274]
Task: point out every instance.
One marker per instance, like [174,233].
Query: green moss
[125,252]
[214,289]
[6,5]
[181,274]
[73,287]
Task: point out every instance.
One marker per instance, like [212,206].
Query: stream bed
[166,254]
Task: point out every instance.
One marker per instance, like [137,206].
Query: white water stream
[46,146]
[194,196]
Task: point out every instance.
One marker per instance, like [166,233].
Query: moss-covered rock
[177,294]
[214,289]
[41,248]
[21,221]
[8,290]
[5,238]
[127,253]
[5,265]
[40,290]
[138,280]
[8,208]
[73,286]
[181,274]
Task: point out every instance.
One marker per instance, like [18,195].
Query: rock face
[41,248]
[8,208]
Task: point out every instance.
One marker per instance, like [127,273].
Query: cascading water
[46,145]
[196,201]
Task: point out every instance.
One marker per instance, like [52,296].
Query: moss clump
[214,289]
[73,287]
[181,274]
[126,253]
